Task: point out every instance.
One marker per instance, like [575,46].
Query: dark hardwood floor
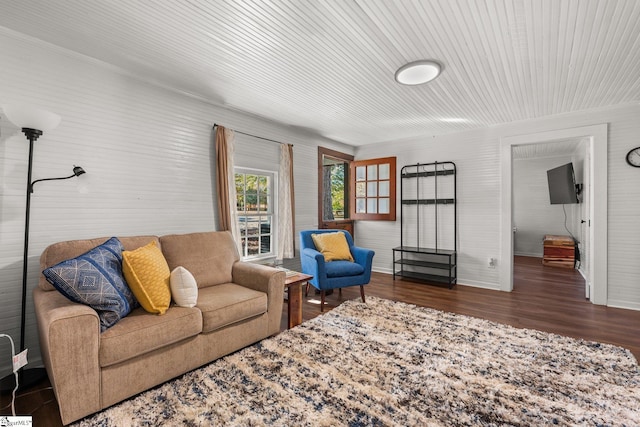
[545,298]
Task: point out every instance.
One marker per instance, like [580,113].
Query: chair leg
[321,301]
[306,292]
[362,292]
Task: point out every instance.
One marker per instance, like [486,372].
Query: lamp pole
[32,135]
[29,377]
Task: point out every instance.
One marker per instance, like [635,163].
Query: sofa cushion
[147,274]
[208,256]
[229,303]
[141,332]
[343,269]
[95,279]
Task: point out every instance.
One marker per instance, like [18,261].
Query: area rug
[390,363]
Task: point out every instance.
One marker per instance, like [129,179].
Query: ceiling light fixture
[417,72]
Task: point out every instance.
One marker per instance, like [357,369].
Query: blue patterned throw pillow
[95,279]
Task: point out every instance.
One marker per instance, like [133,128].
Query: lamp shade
[31,118]
[418,72]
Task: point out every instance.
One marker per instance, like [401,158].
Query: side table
[294,305]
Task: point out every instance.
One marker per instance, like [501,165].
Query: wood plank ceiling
[328,66]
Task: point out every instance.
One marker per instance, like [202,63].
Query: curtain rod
[255,136]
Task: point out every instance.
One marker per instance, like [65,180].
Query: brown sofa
[238,304]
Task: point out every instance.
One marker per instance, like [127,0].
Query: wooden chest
[559,251]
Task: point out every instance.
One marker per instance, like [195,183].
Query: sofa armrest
[69,342]
[313,263]
[265,279]
[364,257]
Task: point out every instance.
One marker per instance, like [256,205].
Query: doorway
[535,217]
[596,234]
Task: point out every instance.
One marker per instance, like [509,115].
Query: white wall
[533,215]
[477,156]
[147,152]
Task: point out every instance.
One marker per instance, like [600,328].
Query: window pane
[383,205]
[372,172]
[265,225]
[372,205]
[239,184]
[252,224]
[264,203]
[361,189]
[251,182]
[265,244]
[253,247]
[383,169]
[240,202]
[361,206]
[383,187]
[333,191]
[243,225]
[361,173]
[263,184]
[251,201]
[372,189]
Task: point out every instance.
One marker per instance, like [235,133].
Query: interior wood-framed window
[373,189]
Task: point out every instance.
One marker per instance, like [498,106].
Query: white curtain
[285,204]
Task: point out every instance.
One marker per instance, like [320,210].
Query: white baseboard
[382,270]
[529,254]
[477,284]
[624,304]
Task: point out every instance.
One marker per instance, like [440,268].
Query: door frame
[597,143]
[343,224]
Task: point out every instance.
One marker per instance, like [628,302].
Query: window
[373,189]
[256,212]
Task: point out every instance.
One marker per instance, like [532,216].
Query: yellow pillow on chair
[333,246]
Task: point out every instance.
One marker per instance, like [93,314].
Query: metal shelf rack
[428,192]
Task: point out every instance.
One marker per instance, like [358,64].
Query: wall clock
[633,157]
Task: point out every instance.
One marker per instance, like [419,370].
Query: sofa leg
[321,301]
[362,292]
[340,292]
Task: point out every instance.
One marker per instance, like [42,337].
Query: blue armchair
[334,274]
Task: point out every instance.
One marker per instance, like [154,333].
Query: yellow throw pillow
[333,246]
[147,274]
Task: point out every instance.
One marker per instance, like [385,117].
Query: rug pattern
[389,363]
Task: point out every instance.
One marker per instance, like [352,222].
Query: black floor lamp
[33,123]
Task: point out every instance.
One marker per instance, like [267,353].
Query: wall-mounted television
[562,185]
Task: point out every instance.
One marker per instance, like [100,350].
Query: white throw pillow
[184,288]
